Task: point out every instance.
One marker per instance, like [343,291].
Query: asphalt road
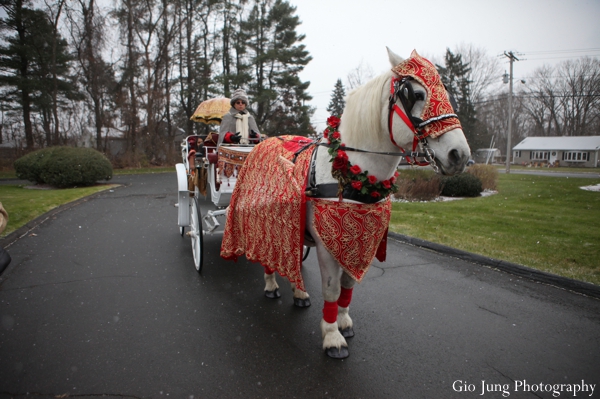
[102,300]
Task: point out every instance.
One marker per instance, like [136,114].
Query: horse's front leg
[334,342]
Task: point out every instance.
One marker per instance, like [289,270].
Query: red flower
[326,133]
[355,169]
[336,135]
[340,164]
[375,194]
[372,179]
[342,154]
[333,121]
[393,179]
[386,184]
[396,174]
[357,185]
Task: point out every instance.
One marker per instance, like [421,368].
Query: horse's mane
[364,117]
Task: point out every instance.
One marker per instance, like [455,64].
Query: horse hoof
[336,353]
[347,332]
[302,303]
[273,294]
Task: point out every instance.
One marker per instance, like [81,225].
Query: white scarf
[241,125]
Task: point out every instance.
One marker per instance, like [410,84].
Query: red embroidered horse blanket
[266,217]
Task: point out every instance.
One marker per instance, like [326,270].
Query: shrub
[417,185]
[64,167]
[487,174]
[29,166]
[463,185]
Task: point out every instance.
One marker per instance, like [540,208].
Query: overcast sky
[342,33]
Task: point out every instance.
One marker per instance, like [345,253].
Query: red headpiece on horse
[438,115]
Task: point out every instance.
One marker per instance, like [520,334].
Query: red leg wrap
[330,311]
[268,271]
[345,297]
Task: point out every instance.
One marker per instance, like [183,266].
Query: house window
[540,155]
[576,156]
[517,154]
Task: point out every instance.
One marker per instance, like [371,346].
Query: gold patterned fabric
[230,161]
[437,102]
[353,233]
[266,216]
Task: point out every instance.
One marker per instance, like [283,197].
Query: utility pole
[512,58]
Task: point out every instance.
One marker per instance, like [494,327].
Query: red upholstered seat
[212,157]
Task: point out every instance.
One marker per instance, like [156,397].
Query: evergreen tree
[36,63]
[337,103]
[277,94]
[455,75]
[16,58]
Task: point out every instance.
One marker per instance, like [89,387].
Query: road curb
[580,287]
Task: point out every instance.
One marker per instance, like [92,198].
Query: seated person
[238,122]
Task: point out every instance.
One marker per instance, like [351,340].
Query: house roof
[563,143]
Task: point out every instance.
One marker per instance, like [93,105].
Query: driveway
[102,300]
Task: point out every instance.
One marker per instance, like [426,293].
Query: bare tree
[54,11]
[484,71]
[359,75]
[565,100]
[97,76]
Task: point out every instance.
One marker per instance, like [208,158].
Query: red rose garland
[346,173]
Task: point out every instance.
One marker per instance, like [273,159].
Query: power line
[561,51]
[557,58]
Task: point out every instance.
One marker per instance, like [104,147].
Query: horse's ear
[395,59]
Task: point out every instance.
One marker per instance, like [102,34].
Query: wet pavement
[102,299]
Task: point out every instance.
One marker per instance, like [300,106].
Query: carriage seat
[212,156]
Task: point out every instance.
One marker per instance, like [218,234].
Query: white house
[582,151]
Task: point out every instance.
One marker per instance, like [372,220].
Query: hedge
[64,167]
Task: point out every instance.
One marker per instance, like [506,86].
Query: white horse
[407,107]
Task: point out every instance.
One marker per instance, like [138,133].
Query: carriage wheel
[305,252]
[196,233]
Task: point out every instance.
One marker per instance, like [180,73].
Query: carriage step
[210,220]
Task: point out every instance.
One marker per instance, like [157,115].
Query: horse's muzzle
[456,163]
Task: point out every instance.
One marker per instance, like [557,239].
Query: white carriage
[208,171]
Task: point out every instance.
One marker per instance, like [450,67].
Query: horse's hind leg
[301,298]
[271,286]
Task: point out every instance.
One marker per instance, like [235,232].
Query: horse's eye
[419,96]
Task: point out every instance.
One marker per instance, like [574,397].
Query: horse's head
[421,111]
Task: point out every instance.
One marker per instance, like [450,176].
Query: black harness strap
[396,154]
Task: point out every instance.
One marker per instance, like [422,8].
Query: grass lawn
[24,205]
[137,171]
[543,222]
[563,169]
[10,174]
